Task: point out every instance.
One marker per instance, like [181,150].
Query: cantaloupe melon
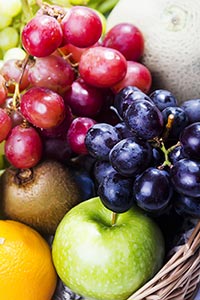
[171,29]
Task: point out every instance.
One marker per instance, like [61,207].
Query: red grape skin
[126,38]
[60,130]
[42,35]
[42,107]
[74,53]
[23,147]
[14,113]
[12,72]
[5,124]
[84,100]
[81,27]
[137,75]
[3,90]
[102,67]
[51,72]
[77,132]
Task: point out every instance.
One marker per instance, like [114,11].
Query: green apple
[102,261]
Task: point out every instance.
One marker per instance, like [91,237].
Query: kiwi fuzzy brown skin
[38,197]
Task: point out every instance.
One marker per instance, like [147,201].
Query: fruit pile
[79,120]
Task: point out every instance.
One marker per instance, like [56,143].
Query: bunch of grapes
[151,157]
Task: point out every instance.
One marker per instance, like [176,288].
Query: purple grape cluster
[151,157]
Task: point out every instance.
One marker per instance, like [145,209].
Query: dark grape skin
[187,206]
[180,120]
[127,96]
[176,154]
[101,169]
[157,157]
[85,183]
[192,110]
[163,98]
[124,130]
[115,192]
[100,139]
[130,156]
[152,190]
[190,140]
[144,118]
[185,175]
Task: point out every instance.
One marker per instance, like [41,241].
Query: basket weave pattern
[180,276]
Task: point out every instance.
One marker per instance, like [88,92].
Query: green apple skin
[102,261]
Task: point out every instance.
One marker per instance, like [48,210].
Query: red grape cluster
[66,83]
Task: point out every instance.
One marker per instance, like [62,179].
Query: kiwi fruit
[38,197]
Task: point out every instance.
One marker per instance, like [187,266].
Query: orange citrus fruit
[26,268]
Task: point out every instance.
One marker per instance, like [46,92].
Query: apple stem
[114,218]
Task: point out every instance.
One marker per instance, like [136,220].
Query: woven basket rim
[179,278]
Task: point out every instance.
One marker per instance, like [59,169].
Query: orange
[26,268]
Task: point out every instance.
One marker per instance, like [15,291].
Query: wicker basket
[180,276]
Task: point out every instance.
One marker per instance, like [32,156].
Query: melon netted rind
[171,30]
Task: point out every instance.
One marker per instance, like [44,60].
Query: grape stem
[166,152]
[16,96]
[170,121]
[114,218]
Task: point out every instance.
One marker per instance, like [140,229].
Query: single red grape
[42,35]
[23,147]
[77,132]
[84,100]
[81,26]
[137,75]
[102,67]
[51,72]
[126,38]
[42,107]
[13,72]
[5,124]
